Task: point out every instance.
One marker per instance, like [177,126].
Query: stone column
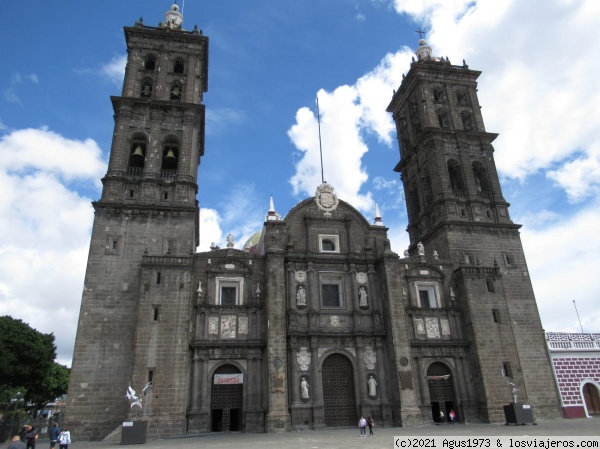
[362,377]
[317,386]
[195,381]
[278,417]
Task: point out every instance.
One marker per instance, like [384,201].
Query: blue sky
[268,61]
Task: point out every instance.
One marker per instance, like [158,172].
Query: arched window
[178,66]
[146,90]
[137,155]
[413,201]
[457,182]
[467,121]
[169,158]
[481,179]
[327,245]
[427,193]
[176,91]
[150,62]
[443,120]
[439,96]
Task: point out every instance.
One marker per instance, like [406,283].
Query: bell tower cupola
[173,18]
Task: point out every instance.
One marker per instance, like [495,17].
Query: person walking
[30,437]
[64,439]
[452,416]
[362,425]
[54,434]
[371,424]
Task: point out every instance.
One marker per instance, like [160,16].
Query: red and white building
[576,364]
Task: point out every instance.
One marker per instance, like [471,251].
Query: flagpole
[320,146]
[575,305]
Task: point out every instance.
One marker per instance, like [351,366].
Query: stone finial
[378,218]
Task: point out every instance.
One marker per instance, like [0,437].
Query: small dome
[174,7]
[421,41]
[252,241]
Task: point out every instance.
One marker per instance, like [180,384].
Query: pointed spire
[272,215]
[378,219]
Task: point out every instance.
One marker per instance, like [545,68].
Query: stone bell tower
[456,207]
[148,208]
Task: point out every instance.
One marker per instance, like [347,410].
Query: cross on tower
[421,33]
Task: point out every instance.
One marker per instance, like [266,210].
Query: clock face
[300,276]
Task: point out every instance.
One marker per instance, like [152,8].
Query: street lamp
[12,422]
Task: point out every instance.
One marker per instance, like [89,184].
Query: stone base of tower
[412,417]
[278,422]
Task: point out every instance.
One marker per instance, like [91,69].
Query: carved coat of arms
[370,358]
[303,358]
[326,199]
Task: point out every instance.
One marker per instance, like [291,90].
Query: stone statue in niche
[420,249]
[304,389]
[301,296]
[372,386]
[363,297]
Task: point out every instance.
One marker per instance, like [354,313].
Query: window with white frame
[229,291]
[331,290]
[329,244]
[428,295]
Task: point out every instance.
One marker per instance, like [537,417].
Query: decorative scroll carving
[243,325]
[213,325]
[335,321]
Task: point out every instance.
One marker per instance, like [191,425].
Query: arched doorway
[591,398]
[338,391]
[441,391]
[226,401]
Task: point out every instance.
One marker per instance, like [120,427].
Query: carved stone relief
[228,326]
[445,327]
[243,325]
[335,321]
[432,326]
[213,325]
[303,357]
[370,358]
[420,326]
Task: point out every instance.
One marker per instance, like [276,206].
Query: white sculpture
[372,386]
[301,296]
[420,249]
[363,296]
[304,388]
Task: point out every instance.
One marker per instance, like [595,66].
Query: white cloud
[41,149]
[539,68]
[581,176]
[210,230]
[561,259]
[44,229]
[346,114]
[33,78]
[115,69]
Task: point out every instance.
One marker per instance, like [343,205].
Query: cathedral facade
[317,321]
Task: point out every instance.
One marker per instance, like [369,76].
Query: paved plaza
[350,439]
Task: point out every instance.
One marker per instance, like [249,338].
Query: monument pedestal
[517,413]
[134,432]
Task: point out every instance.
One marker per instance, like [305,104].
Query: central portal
[338,392]
[226,402]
